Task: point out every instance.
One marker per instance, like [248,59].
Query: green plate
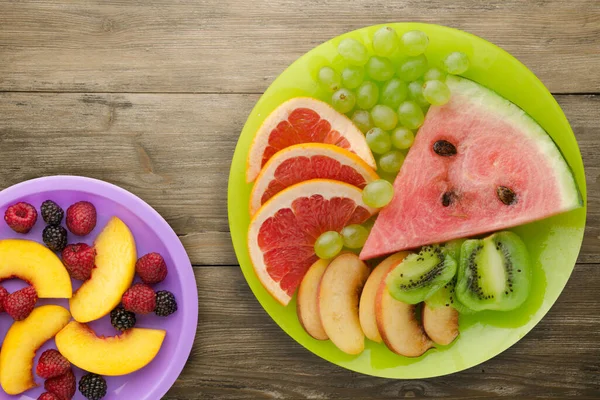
[554,242]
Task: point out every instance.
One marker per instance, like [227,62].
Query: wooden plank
[232,46]
[132,140]
[240,353]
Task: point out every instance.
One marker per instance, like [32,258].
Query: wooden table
[151,95]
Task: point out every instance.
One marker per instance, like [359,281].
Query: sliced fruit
[494,273]
[110,356]
[37,265]
[398,325]
[307,161]
[304,120]
[307,300]
[339,292]
[366,310]
[283,232]
[21,342]
[421,275]
[115,268]
[479,164]
[446,297]
[440,323]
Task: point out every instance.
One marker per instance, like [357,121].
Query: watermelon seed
[506,195]
[448,198]
[444,148]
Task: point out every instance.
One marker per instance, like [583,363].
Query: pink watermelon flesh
[497,144]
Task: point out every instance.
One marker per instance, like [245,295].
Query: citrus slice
[304,120]
[303,162]
[283,232]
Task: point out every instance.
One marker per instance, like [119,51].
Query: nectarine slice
[115,268]
[366,309]
[21,342]
[36,264]
[339,292]
[110,356]
[307,305]
[440,323]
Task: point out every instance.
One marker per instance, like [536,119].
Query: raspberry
[140,298]
[52,364]
[21,217]
[3,295]
[20,303]
[122,319]
[92,386]
[52,213]
[48,396]
[55,237]
[81,218]
[63,386]
[165,303]
[79,260]
[151,268]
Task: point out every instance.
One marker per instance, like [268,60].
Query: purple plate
[152,233]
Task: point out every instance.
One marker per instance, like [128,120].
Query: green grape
[456,63]
[353,76]
[328,245]
[379,141]
[412,68]
[415,93]
[414,43]
[391,161]
[436,92]
[384,117]
[434,73]
[353,51]
[367,95]
[410,115]
[329,79]
[362,119]
[354,236]
[379,68]
[385,41]
[402,138]
[378,193]
[393,93]
[343,100]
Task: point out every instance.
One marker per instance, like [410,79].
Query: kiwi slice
[446,297]
[420,275]
[453,248]
[494,272]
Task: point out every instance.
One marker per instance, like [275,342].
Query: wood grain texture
[132,140]
[240,353]
[239,46]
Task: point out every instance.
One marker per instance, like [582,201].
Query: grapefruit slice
[478,164]
[304,120]
[283,232]
[307,161]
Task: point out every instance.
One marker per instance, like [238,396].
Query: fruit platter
[407,200]
[104,304]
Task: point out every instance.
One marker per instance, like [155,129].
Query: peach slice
[398,325]
[339,292]
[366,309]
[22,341]
[307,305]
[115,268]
[110,356]
[36,264]
[440,323]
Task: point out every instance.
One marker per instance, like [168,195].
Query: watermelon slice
[478,164]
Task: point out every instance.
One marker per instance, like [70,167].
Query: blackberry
[122,319]
[52,213]
[165,303]
[55,237]
[92,386]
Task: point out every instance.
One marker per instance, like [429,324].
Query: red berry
[63,386]
[140,298]
[48,396]
[81,218]
[151,268]
[3,295]
[21,217]
[79,259]
[52,364]
[20,303]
